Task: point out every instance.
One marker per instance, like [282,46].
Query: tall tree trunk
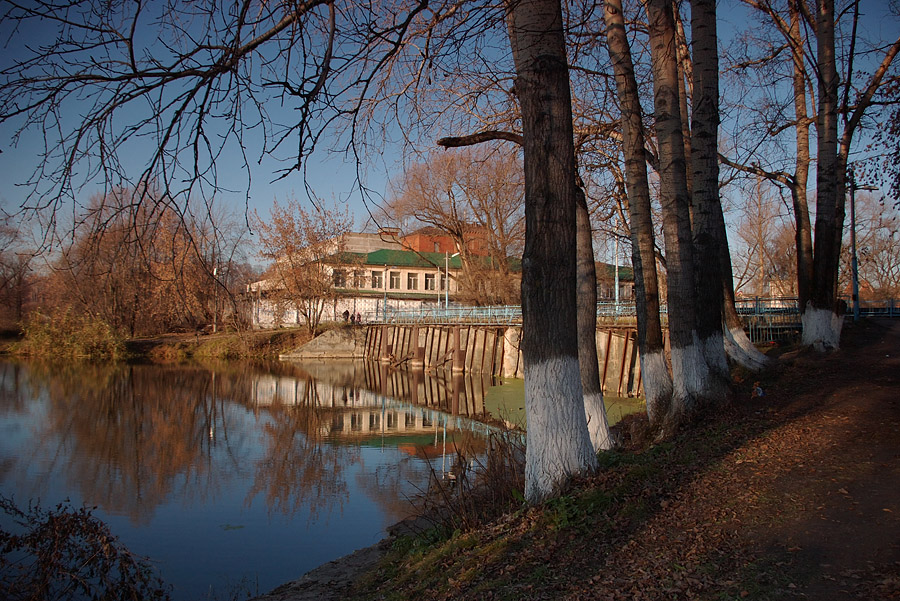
[803,228]
[657,383]
[706,203]
[821,321]
[594,409]
[690,374]
[685,94]
[559,445]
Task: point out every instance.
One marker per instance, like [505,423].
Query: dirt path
[839,476]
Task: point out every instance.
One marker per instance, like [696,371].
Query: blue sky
[332,176]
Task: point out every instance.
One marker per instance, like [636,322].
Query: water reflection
[320,450]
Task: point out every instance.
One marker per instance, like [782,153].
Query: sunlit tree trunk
[705,193]
[594,409]
[559,445]
[690,374]
[654,372]
[803,228]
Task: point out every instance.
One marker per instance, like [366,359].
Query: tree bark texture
[657,382]
[802,225]
[690,374]
[594,409]
[706,203]
[821,327]
[559,445]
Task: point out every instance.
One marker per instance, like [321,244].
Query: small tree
[299,244]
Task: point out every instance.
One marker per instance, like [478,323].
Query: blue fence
[775,312]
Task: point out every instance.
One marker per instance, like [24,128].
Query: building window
[395,280]
[443,281]
[429,281]
[412,281]
[339,277]
[359,278]
[337,423]
[377,282]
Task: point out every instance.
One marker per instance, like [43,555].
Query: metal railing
[495,315]
[780,311]
[878,308]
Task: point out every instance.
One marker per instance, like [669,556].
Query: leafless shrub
[478,488]
[67,553]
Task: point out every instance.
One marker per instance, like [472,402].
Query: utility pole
[215,299]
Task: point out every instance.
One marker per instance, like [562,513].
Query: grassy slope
[794,495]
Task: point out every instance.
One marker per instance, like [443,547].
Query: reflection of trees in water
[392,485]
[129,436]
[298,467]
[13,389]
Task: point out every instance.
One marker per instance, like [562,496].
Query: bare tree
[15,277]
[657,382]
[144,271]
[878,249]
[759,252]
[301,246]
[816,98]
[558,441]
[708,223]
[690,373]
[474,196]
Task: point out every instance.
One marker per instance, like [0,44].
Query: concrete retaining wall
[489,350]
[496,350]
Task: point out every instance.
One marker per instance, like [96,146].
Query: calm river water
[237,476]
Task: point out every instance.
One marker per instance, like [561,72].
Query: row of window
[340,280]
[392,421]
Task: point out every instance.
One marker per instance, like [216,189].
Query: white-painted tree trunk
[553,404]
[690,377]
[713,350]
[821,328]
[657,385]
[742,351]
[597,422]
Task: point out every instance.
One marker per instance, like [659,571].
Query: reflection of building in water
[359,412]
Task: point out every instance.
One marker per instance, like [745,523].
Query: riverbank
[789,495]
[255,344]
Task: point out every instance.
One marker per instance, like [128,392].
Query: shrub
[480,488]
[67,553]
[66,334]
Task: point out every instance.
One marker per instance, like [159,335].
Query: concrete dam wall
[490,350]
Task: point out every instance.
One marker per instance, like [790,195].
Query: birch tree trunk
[559,445]
[655,374]
[690,374]
[594,409]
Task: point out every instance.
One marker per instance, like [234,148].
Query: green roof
[408,258]
[605,271]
